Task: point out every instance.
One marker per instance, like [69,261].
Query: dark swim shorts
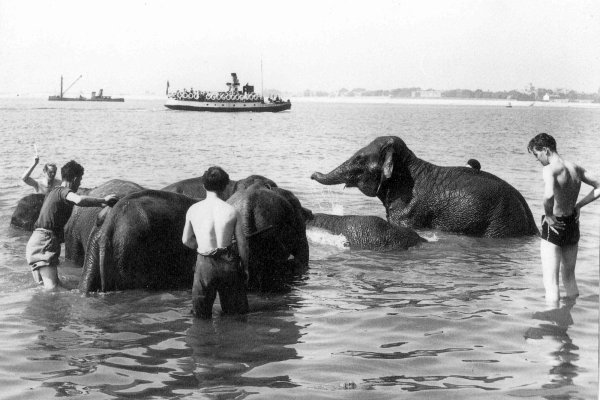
[569,235]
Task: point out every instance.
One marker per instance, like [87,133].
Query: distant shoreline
[372,100]
[443,101]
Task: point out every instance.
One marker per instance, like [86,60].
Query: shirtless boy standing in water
[209,229]
[560,223]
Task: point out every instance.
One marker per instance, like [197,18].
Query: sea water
[457,317]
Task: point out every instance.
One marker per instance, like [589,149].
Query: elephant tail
[98,271]
[107,259]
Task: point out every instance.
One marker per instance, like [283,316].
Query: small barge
[93,97]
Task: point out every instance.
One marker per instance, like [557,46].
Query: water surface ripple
[456,317]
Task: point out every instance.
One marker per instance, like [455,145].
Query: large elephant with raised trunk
[366,232]
[419,194]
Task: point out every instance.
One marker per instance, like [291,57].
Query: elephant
[419,194]
[138,245]
[83,219]
[367,232]
[275,224]
[27,211]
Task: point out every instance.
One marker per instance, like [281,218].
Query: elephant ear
[387,165]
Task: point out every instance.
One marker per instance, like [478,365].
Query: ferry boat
[94,97]
[233,100]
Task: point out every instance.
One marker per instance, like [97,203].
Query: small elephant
[84,219]
[367,232]
[418,194]
[138,245]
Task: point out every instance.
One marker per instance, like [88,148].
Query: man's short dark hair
[473,163]
[71,170]
[540,141]
[215,179]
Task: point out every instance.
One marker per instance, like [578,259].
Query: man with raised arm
[43,247]
[41,186]
[214,229]
[560,222]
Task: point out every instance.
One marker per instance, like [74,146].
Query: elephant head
[370,168]
[274,223]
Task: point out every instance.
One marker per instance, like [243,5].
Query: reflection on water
[456,317]
[558,345]
[115,338]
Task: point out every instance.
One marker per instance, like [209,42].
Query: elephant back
[83,219]
[505,209]
[192,187]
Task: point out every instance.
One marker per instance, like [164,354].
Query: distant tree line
[530,94]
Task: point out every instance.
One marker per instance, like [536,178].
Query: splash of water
[322,236]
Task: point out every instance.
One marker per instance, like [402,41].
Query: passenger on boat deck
[49,181]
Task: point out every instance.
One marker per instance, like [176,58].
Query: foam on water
[324,237]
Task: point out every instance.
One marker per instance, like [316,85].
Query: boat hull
[58,98]
[226,106]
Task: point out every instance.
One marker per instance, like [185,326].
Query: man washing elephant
[43,248]
[209,229]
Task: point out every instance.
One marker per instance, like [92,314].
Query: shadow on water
[143,344]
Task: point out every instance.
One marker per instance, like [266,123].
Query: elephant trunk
[335,177]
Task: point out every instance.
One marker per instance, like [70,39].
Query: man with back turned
[560,222]
[210,228]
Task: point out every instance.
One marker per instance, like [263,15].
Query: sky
[134,47]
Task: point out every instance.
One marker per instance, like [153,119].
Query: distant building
[426,94]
